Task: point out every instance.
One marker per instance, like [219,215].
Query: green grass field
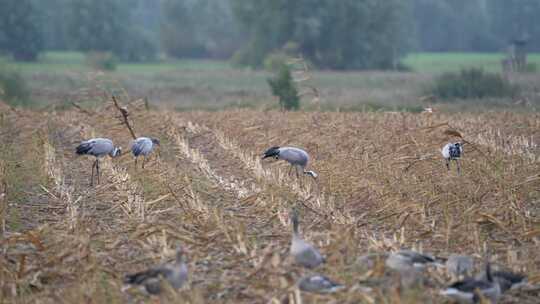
[62,77]
[75,62]
[418,62]
[447,62]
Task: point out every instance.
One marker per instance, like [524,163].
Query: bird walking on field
[151,280]
[143,146]
[304,253]
[296,157]
[452,151]
[472,290]
[98,147]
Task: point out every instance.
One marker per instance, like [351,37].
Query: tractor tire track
[21,172]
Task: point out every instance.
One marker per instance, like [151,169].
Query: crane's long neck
[180,257]
[115,152]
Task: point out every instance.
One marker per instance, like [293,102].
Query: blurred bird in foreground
[303,252]
[472,290]
[152,280]
[318,284]
[459,266]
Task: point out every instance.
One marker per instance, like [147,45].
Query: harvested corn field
[382,186]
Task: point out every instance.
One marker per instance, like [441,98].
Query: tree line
[345,34]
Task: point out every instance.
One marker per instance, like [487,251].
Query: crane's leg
[136,162]
[97,169]
[290,170]
[92,176]
[143,160]
[300,176]
[458,166]
[447,164]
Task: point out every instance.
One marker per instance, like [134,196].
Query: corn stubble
[383,186]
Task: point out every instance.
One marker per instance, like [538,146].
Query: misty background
[360,55]
[347,34]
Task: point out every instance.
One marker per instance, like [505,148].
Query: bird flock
[101,147]
[466,288]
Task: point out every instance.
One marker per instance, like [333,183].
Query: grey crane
[452,151]
[405,260]
[318,284]
[296,157]
[459,266]
[304,253]
[469,290]
[143,146]
[151,280]
[506,279]
[98,147]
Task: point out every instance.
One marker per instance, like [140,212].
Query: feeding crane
[98,147]
[296,157]
[143,146]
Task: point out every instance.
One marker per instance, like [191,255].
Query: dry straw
[208,191]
